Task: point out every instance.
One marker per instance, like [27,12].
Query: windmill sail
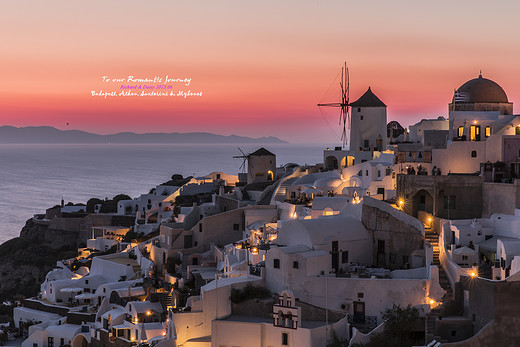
[344,113]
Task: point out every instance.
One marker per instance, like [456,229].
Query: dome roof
[480,90]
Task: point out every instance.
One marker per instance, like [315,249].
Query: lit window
[460,131]
[488,131]
[474,133]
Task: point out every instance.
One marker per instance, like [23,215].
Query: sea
[34,177]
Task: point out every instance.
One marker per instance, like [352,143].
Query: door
[335,256]
[359,312]
[474,133]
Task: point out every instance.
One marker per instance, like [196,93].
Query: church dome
[480,90]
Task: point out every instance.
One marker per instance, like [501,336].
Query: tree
[400,328]
[91,203]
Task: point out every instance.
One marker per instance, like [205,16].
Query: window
[367,144]
[236,227]
[35,345]
[359,109]
[360,295]
[200,227]
[62,341]
[378,173]
[295,265]
[420,155]
[474,133]
[449,202]
[381,246]
[276,263]
[366,173]
[460,132]
[361,117]
[285,339]
[344,257]
[360,173]
[465,257]
[473,154]
[388,171]
[50,341]
[392,258]
[488,131]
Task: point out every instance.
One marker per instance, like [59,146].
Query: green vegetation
[249,292]
[177,180]
[402,329]
[107,205]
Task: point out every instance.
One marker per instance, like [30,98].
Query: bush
[399,328]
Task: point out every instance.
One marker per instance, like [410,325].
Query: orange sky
[261,66]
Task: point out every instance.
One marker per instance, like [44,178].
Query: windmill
[344,112]
[243,172]
[244,157]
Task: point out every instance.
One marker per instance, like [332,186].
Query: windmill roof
[369,99]
[261,152]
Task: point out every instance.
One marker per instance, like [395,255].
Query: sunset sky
[262,66]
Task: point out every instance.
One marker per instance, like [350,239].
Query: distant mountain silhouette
[45,134]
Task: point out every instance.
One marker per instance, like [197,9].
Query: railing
[255,270]
[356,320]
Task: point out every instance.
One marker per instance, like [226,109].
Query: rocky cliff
[25,260]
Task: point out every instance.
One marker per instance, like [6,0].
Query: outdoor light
[429,219]
[474,122]
[254,250]
[432,301]
[473,274]
[401,202]
[148,313]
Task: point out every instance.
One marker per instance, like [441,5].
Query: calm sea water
[36,177]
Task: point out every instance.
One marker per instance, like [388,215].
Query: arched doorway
[331,163]
[79,341]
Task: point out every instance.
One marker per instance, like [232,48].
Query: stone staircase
[432,237]
[431,318]
[281,191]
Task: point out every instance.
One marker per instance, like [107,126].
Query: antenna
[344,113]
